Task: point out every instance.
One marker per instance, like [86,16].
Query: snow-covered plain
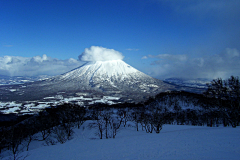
[31,108]
[173,142]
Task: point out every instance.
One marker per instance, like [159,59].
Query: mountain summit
[111,78]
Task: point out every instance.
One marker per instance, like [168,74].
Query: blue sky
[163,38]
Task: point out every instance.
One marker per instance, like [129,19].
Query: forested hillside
[219,105]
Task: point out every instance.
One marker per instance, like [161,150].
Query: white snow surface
[173,142]
[113,68]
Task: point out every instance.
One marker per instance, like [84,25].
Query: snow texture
[174,142]
[100,68]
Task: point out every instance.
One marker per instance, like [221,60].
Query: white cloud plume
[96,53]
[25,66]
[221,65]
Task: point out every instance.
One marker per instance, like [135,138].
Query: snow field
[173,142]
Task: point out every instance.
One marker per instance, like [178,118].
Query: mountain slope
[113,78]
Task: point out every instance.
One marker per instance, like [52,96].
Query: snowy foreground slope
[173,142]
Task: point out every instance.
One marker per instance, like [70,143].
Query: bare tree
[98,123]
[227,96]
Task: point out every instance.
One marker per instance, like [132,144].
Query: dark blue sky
[155,36]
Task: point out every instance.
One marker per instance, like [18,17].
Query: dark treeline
[225,95]
[53,125]
[219,105]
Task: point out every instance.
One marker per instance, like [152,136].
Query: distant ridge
[197,83]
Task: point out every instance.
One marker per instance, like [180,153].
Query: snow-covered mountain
[112,78]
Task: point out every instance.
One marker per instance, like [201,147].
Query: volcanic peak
[113,68]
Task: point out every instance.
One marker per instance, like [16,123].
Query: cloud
[25,66]
[96,53]
[39,59]
[44,65]
[8,45]
[144,57]
[132,49]
[170,57]
[221,65]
